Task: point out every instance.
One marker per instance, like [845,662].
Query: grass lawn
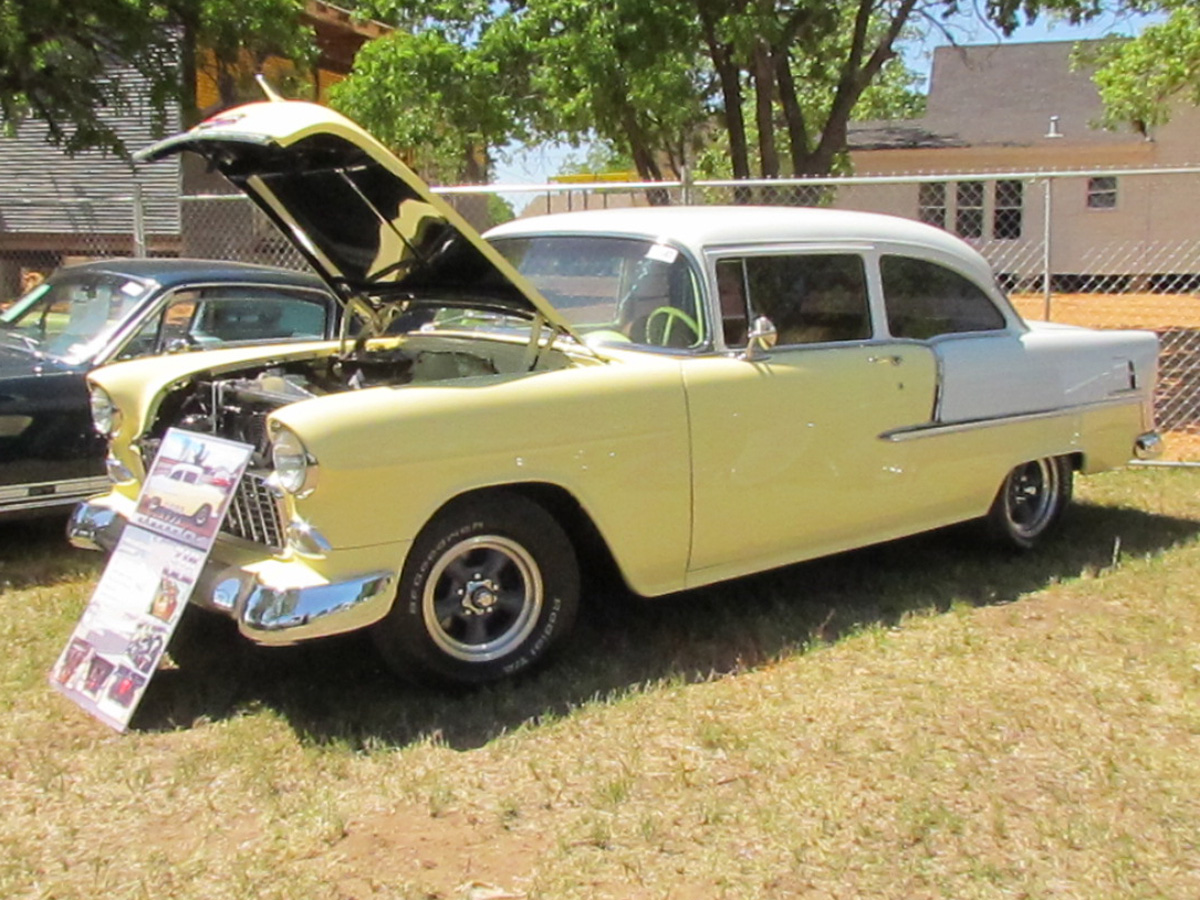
[929,718]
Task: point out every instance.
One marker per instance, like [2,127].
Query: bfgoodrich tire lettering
[1031,502]
[489,588]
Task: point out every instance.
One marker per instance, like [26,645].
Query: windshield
[614,290]
[72,316]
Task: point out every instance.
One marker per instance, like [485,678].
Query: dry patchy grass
[924,719]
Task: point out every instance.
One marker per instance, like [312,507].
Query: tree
[805,63]
[1138,78]
[59,58]
[429,91]
[772,82]
[54,57]
[235,37]
[630,72]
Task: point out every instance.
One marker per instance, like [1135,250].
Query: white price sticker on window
[662,253]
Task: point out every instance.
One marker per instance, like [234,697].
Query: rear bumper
[1148,445]
[275,602]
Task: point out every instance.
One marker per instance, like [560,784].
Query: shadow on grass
[36,552]
[337,692]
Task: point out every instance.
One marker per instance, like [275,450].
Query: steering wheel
[670,315]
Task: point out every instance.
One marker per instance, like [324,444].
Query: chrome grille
[254,513]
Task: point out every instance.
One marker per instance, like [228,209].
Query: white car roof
[699,227]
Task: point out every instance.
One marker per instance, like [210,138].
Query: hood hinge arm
[533,350]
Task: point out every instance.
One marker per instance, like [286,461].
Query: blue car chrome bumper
[266,614]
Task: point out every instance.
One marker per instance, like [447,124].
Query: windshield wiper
[31,344]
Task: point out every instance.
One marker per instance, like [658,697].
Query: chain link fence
[1105,249]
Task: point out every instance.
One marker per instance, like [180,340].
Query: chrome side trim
[936,429]
[44,494]
[276,617]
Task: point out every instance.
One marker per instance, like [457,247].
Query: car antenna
[266,88]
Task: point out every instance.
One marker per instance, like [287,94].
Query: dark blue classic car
[85,316]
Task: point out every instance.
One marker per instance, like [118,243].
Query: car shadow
[336,691]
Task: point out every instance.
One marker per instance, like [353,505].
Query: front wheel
[1030,502]
[201,516]
[490,586]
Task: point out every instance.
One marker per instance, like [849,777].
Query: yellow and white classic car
[695,393]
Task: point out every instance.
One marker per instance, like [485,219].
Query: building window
[968,216]
[1102,192]
[931,203]
[1006,215]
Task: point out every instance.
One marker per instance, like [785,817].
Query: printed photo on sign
[124,632]
[126,628]
[190,486]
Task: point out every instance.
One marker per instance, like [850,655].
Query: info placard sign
[125,629]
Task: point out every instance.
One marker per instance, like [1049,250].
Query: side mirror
[177,345]
[762,337]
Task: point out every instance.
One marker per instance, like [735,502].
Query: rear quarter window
[925,299]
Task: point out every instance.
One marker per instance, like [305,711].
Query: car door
[790,455]
[986,376]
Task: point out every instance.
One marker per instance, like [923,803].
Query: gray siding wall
[43,190]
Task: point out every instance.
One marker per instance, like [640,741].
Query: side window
[166,328]
[925,299]
[811,298]
[209,317]
[234,314]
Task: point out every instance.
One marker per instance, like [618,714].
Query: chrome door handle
[886,360]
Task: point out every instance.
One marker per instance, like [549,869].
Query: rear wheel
[1030,502]
[490,586]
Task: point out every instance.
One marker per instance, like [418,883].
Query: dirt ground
[1156,311]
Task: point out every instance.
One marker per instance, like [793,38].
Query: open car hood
[365,221]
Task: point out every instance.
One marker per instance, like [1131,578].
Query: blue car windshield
[72,316]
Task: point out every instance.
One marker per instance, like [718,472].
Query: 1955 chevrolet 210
[699,392]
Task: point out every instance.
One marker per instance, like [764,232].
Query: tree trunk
[643,157]
[190,113]
[793,113]
[729,76]
[764,109]
[856,75]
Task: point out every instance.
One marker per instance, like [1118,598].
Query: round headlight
[295,470]
[105,416]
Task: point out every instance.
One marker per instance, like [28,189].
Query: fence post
[139,221]
[1046,233]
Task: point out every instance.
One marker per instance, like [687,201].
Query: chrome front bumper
[266,614]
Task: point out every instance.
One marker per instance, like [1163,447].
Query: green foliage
[598,158]
[237,31]
[56,56]
[433,91]
[53,57]
[631,72]
[1139,78]
[893,95]
[499,210]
